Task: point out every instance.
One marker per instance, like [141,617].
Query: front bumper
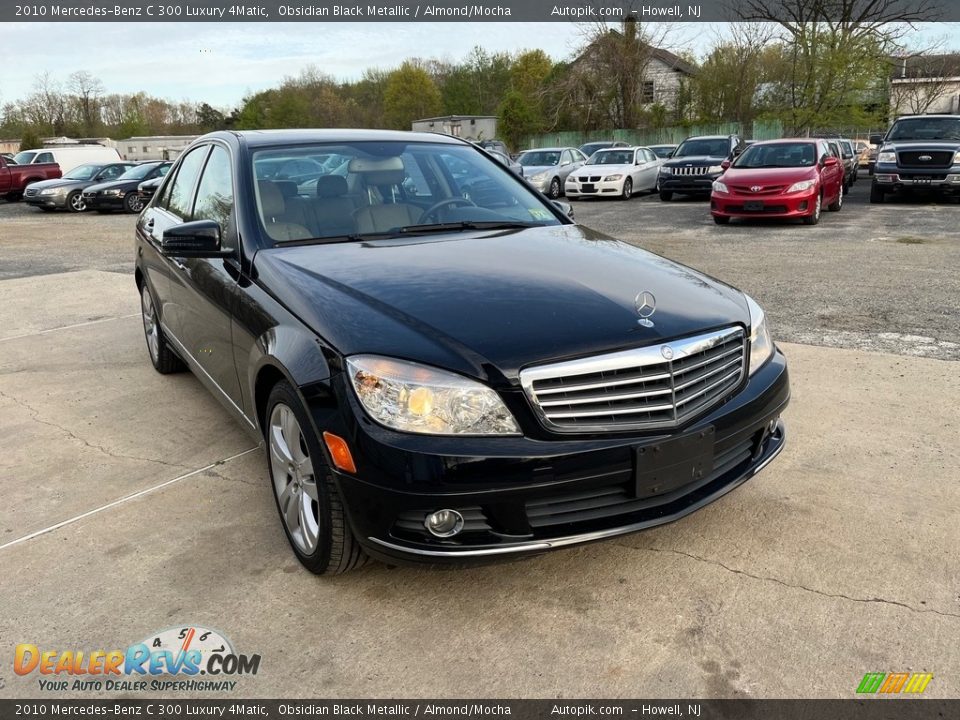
[572,188]
[522,495]
[892,177]
[688,184]
[773,206]
[49,201]
[104,202]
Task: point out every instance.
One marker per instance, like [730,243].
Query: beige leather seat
[332,209]
[388,214]
[278,222]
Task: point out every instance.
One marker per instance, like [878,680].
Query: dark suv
[918,152]
[696,164]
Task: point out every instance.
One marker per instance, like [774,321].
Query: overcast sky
[220,63]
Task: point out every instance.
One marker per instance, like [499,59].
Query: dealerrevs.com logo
[174,659]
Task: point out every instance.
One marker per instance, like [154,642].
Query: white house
[925,84]
[468,127]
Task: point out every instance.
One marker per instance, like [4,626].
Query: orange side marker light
[340,452]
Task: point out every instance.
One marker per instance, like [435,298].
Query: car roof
[270,138]
[549,149]
[707,137]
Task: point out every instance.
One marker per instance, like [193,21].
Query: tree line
[805,74]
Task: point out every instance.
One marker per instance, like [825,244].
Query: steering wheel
[443,203]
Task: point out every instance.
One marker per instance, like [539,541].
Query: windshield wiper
[465,225]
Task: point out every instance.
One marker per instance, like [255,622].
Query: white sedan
[617,172]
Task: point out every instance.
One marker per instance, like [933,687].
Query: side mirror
[198,239]
[725,164]
[565,208]
[830,161]
[876,139]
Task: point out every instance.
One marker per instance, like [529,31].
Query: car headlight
[956,158]
[719,187]
[664,170]
[539,177]
[761,344]
[887,157]
[415,398]
[611,178]
[113,191]
[50,191]
[715,169]
[801,186]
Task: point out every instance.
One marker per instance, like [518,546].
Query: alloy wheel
[77,203]
[134,202]
[150,329]
[627,188]
[294,481]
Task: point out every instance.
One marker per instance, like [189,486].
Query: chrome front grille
[30,192]
[692,170]
[650,387]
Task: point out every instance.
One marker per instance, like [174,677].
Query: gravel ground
[875,277]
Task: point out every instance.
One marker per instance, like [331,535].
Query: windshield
[662,151]
[591,148]
[392,189]
[719,147]
[24,158]
[778,155]
[611,157]
[83,172]
[926,128]
[137,173]
[532,158]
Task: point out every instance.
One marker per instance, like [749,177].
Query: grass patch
[911,241]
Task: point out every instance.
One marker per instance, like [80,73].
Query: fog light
[444,523]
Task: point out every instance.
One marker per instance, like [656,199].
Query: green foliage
[410,94]
[30,140]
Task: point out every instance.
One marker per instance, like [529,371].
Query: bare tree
[834,52]
[87,91]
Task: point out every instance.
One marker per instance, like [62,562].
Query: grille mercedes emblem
[646,305]
[925,158]
[667,352]
[756,188]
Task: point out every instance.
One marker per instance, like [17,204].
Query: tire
[132,202]
[164,360]
[627,189]
[837,204]
[554,191]
[13,196]
[666,195]
[814,217]
[721,220]
[75,202]
[310,508]
[876,195]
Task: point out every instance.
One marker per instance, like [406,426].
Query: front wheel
[75,202]
[876,195]
[814,217]
[554,191]
[627,189]
[666,195]
[838,203]
[721,219]
[309,504]
[133,203]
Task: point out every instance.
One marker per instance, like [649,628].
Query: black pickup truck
[918,152]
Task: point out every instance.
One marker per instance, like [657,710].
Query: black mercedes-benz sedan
[121,194]
[440,364]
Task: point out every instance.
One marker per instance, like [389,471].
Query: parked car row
[96,186]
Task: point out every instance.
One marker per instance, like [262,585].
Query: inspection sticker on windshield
[539,214]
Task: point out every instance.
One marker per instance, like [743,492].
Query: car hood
[531,170]
[115,185]
[46,184]
[591,170]
[769,175]
[694,160]
[944,145]
[489,303]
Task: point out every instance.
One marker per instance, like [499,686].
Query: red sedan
[779,179]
